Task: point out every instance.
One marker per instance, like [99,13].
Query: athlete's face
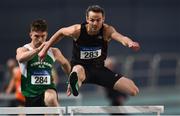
[38,37]
[95,21]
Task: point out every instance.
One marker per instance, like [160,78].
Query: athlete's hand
[43,51]
[68,92]
[134,45]
[41,47]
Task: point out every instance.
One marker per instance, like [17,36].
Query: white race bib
[90,53]
[40,79]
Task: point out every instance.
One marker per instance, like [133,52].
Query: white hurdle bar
[61,96]
[114,109]
[33,110]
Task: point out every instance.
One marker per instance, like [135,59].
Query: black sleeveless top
[89,49]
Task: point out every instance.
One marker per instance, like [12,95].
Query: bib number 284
[40,80]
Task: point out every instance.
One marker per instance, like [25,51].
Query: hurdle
[33,110]
[62,96]
[114,109]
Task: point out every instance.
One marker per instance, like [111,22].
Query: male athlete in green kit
[37,81]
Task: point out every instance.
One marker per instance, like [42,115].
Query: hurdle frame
[114,109]
[33,110]
[82,110]
[62,96]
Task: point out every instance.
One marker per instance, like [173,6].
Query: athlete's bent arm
[62,60]
[23,54]
[126,41]
[66,31]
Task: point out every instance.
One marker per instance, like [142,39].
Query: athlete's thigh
[80,70]
[89,73]
[106,77]
[51,93]
[37,101]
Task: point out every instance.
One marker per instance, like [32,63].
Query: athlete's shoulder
[16,69]
[107,30]
[77,26]
[56,51]
[16,72]
[72,31]
[76,30]
[107,26]
[74,27]
[23,48]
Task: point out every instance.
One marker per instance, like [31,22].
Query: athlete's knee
[126,85]
[50,98]
[134,92]
[133,89]
[78,69]
[80,72]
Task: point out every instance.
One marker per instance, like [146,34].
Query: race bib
[90,53]
[40,79]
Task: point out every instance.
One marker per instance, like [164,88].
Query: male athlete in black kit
[90,43]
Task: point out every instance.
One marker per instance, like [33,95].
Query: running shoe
[73,79]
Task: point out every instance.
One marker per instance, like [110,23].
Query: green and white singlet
[36,75]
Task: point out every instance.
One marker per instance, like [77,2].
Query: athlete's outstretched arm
[23,54]
[66,31]
[62,60]
[126,41]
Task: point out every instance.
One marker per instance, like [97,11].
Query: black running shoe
[73,79]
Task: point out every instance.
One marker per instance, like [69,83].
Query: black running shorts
[100,75]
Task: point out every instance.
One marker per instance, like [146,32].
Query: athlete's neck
[90,31]
[32,45]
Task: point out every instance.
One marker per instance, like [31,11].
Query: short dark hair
[39,25]
[95,8]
